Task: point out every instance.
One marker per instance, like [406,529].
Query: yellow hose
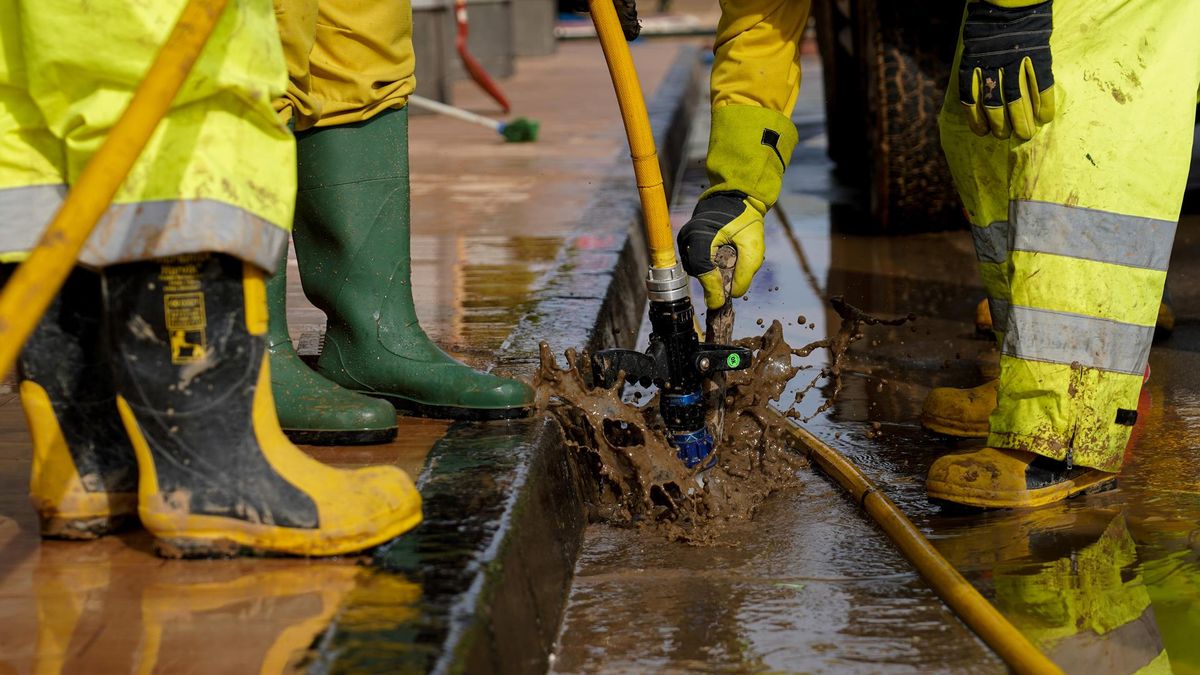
[975,611]
[655,213]
[36,281]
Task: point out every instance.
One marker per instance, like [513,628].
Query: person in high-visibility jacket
[146,384]
[755,81]
[1068,128]
[351,70]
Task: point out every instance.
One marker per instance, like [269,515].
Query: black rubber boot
[84,478]
[217,476]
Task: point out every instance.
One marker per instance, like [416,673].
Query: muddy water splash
[633,474]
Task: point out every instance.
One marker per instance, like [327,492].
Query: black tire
[886,68]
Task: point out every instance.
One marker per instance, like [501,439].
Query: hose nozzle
[678,364]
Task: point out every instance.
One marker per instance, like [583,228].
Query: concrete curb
[504,515]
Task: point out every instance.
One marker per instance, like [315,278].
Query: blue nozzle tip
[694,448]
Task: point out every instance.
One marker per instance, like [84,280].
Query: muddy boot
[217,475]
[84,478]
[960,412]
[311,408]
[983,318]
[352,239]
[1001,478]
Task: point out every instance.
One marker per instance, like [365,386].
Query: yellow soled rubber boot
[960,412]
[83,482]
[217,476]
[983,318]
[997,478]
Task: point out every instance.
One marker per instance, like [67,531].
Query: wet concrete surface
[811,585]
[489,221]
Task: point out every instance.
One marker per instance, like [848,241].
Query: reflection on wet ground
[99,608]
[1104,584]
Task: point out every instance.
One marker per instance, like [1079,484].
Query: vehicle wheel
[907,56]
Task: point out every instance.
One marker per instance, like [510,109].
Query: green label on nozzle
[733,360]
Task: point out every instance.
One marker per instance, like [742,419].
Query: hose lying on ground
[975,611]
[37,280]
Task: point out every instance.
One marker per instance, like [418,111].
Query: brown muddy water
[636,478]
[809,584]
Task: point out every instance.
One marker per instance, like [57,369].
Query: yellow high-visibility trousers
[347,60]
[755,81]
[1073,229]
[218,175]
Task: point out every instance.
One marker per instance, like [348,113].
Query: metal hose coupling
[666,284]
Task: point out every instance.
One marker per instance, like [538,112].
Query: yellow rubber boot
[217,475]
[960,412]
[83,482]
[983,317]
[1002,478]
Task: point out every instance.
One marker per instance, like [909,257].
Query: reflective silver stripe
[991,242]
[25,212]
[1113,238]
[145,230]
[1058,337]
[999,309]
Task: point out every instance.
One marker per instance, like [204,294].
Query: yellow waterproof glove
[722,218]
[1005,79]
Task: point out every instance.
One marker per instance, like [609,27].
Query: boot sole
[956,429]
[216,537]
[957,495]
[341,436]
[84,529]
[443,412]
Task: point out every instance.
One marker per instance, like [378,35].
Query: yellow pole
[975,611]
[36,281]
[637,128]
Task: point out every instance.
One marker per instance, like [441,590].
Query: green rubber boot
[312,409]
[352,239]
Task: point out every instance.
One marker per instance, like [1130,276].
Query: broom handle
[451,111]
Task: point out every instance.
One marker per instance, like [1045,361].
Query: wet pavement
[489,221]
[809,585]
[1101,583]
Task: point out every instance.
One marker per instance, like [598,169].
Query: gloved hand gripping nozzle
[677,362]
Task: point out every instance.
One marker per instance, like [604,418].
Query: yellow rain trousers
[1073,229]
[219,173]
[347,60]
[755,80]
